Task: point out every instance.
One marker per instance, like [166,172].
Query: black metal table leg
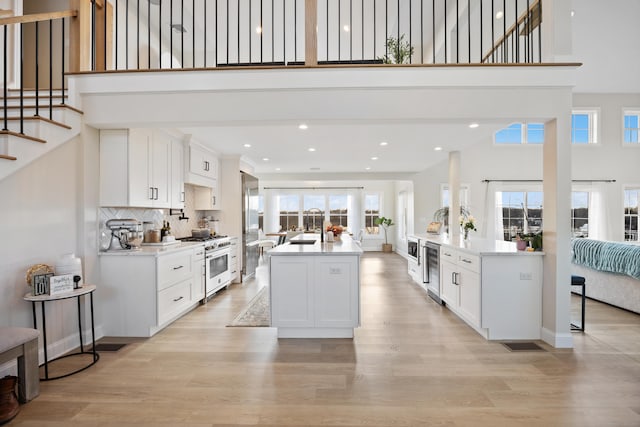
[80,325]
[44,340]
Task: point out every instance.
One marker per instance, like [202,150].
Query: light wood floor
[412,363]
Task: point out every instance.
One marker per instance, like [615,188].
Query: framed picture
[40,283]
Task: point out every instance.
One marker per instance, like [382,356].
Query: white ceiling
[341,147]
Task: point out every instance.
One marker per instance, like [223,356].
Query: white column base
[557,340]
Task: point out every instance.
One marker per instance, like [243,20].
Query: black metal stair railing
[29,74]
[189,34]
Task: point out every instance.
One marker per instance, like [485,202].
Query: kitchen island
[493,287]
[315,287]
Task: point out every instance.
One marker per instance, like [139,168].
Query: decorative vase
[386,247]
[9,405]
[466,234]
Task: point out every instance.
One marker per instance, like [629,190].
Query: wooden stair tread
[45,107]
[5,157]
[21,135]
[32,118]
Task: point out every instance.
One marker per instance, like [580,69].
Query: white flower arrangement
[468,223]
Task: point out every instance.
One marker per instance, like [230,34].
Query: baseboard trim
[557,340]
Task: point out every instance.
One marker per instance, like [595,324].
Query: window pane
[580,213]
[535,133]
[580,128]
[338,209]
[510,135]
[371,213]
[631,126]
[631,198]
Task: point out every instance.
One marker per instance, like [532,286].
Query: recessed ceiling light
[383,143]
[437,149]
[346,28]
[315,169]
[374,158]
[303,126]
[312,149]
[277,169]
[247,145]
[499,14]
[367,168]
[258,29]
[266,159]
[573,12]
[474,125]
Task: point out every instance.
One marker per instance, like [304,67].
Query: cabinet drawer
[448,254]
[172,300]
[174,268]
[470,262]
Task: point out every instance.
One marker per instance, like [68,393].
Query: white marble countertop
[477,245]
[154,250]
[344,246]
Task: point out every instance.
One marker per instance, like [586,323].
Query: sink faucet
[314,210]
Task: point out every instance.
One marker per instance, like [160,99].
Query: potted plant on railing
[399,51]
[385,223]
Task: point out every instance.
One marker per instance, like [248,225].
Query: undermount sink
[302,242]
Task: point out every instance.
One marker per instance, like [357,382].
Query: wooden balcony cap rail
[37,17]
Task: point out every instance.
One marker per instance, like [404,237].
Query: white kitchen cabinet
[177,175]
[448,288]
[140,294]
[460,285]
[135,168]
[203,162]
[207,198]
[315,296]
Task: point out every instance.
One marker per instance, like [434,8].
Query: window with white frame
[261,212]
[520,133]
[580,213]
[521,212]
[584,127]
[339,209]
[631,198]
[372,204]
[464,195]
[631,126]
[289,211]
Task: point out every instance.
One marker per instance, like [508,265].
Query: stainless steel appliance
[217,254]
[431,269]
[125,234]
[250,225]
[413,248]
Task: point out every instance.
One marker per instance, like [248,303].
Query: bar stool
[579,281]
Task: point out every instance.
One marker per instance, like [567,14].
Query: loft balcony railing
[102,35]
[164,34]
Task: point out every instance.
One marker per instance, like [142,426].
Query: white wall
[40,222]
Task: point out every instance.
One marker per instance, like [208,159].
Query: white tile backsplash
[179,227]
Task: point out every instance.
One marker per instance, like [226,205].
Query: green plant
[385,223]
[399,51]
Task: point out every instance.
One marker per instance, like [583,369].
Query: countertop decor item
[467,223]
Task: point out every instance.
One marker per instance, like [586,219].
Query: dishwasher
[431,270]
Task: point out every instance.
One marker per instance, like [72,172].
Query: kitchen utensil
[125,234]
[200,233]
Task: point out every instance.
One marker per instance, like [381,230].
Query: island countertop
[477,245]
[344,246]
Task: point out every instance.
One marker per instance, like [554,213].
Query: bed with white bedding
[611,271]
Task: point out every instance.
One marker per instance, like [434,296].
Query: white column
[454,196]
[556,227]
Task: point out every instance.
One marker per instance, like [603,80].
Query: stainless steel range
[217,253]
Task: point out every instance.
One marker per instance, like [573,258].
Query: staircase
[54,124]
